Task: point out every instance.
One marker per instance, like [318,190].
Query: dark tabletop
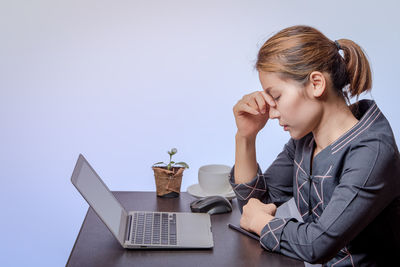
[96,246]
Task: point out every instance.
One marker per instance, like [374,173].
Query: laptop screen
[98,195]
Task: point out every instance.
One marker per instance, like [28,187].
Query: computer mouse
[211,205]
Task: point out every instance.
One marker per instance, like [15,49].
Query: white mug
[214,179]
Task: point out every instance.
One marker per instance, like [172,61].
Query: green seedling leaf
[182,164]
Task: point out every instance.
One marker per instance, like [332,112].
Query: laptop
[141,229]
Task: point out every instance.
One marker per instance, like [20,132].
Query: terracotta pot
[168,182]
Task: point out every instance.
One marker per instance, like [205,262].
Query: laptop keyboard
[153,228]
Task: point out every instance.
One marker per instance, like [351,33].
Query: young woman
[341,165]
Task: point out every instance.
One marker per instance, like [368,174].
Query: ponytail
[357,67]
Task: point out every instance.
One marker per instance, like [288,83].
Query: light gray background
[124,81]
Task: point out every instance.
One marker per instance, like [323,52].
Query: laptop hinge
[128,229]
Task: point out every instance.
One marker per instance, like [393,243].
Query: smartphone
[239,229]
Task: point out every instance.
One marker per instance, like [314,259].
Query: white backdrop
[124,81]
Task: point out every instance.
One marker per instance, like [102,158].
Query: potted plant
[168,177]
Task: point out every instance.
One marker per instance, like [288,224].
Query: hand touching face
[252,113]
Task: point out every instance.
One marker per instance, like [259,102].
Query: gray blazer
[350,201]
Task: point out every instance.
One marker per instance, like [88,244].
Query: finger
[252,103]
[270,209]
[242,107]
[243,223]
[248,109]
[262,104]
[268,99]
[254,200]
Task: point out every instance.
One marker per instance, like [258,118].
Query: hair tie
[338,45]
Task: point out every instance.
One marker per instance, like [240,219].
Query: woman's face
[296,108]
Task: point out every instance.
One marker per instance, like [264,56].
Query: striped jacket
[349,203]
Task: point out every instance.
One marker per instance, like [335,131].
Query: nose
[273,113]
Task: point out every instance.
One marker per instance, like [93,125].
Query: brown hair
[297,51]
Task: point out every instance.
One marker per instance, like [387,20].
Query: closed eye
[277,98]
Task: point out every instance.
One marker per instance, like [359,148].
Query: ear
[317,83]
